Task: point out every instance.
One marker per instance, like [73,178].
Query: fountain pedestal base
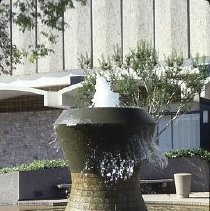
[89,192]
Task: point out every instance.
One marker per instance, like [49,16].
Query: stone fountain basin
[105,115]
[98,130]
[98,143]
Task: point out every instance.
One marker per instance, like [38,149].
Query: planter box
[29,185]
[197,167]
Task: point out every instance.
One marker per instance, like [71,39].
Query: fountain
[104,147]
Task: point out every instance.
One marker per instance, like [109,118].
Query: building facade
[27,96]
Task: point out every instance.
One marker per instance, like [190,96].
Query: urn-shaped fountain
[104,147]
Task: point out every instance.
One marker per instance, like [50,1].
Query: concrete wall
[163,27]
[101,24]
[199,27]
[77,37]
[25,136]
[106,27]
[199,169]
[9,191]
[137,23]
[179,36]
[23,41]
[40,184]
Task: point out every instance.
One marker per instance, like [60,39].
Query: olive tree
[143,81]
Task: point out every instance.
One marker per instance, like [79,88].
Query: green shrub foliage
[142,80]
[197,152]
[36,165]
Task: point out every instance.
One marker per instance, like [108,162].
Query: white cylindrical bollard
[183,184]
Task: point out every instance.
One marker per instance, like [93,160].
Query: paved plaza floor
[196,198]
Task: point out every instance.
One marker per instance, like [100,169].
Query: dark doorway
[205,123]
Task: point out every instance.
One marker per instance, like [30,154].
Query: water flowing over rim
[105,115]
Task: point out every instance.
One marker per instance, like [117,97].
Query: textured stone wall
[106,27]
[25,136]
[77,38]
[101,24]
[199,27]
[179,35]
[137,23]
[163,27]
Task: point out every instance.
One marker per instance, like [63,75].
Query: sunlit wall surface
[182,25]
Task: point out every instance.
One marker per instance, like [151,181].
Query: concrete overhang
[9,91]
[64,98]
[42,79]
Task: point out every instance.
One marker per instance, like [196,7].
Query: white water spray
[104,96]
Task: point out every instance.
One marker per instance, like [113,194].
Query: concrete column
[179,27]
[71,39]
[208,30]
[56,58]
[22,41]
[200,27]
[106,27]
[137,22]
[83,30]
[6,68]
[163,28]
[77,34]
[54,61]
